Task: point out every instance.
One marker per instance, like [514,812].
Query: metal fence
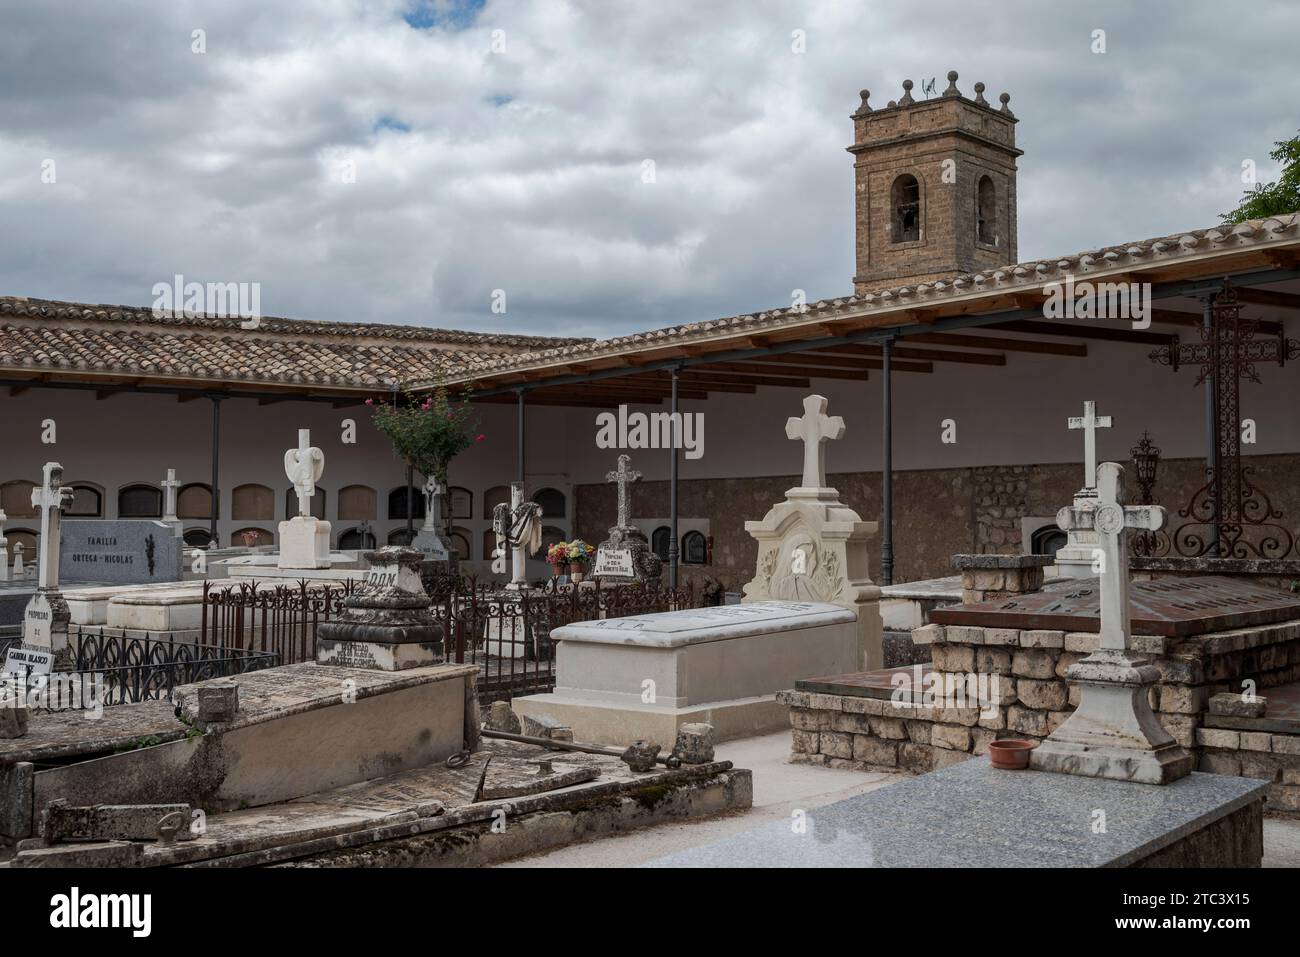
[507,634]
[117,669]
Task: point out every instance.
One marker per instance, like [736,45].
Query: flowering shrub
[428,431]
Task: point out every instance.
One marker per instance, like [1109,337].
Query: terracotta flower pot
[575,571]
[1011,754]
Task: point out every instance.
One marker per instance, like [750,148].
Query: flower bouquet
[580,556]
[557,556]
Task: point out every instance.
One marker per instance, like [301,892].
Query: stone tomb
[130,552]
[644,676]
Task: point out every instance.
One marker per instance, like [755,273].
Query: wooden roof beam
[908,352]
[1268,297]
[1056,327]
[1001,343]
[773,369]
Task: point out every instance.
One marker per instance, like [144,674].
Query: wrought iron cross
[1228,503]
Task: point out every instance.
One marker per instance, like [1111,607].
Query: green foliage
[427,432]
[1273,199]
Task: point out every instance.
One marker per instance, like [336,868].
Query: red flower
[480,437]
[370,401]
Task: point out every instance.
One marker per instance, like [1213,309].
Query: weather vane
[927,87]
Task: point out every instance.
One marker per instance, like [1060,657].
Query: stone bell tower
[936,187]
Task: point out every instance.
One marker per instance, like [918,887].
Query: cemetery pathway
[779,789]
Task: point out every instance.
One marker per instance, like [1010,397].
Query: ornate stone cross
[51,498]
[1111,519]
[170,487]
[1113,733]
[815,428]
[624,476]
[1090,422]
[304,466]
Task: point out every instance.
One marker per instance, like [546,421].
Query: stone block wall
[1016,680]
[937,512]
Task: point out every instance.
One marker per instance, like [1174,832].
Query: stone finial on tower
[906,99]
[1005,98]
[865,107]
[979,95]
[952,84]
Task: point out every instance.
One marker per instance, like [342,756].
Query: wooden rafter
[1059,328]
[1001,343]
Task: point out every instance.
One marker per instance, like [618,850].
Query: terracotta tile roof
[1266,233]
[132,341]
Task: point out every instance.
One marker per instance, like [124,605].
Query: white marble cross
[815,427]
[169,496]
[50,498]
[624,476]
[433,492]
[304,467]
[4,548]
[1090,422]
[1111,519]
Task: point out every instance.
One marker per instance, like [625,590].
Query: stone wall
[1024,695]
[937,512]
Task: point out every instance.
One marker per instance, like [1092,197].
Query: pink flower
[480,437]
[370,401]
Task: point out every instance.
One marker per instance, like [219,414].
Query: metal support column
[520,393]
[887,467]
[215,511]
[674,548]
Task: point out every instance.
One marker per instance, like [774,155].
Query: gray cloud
[521,170]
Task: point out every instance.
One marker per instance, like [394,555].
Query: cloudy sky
[399,160]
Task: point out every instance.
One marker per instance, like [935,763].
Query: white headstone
[1113,733]
[304,540]
[4,549]
[433,493]
[45,621]
[812,547]
[1090,422]
[170,487]
[814,428]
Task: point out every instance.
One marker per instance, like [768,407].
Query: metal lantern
[1146,459]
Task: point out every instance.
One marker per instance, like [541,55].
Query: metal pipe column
[887,466]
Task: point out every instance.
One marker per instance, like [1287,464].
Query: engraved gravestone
[126,552]
[626,555]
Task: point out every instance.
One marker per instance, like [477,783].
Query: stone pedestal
[387,624]
[813,548]
[987,577]
[626,556]
[1078,557]
[304,543]
[1113,733]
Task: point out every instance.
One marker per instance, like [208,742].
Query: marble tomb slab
[974,815]
[644,676]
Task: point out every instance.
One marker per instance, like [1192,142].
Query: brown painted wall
[937,512]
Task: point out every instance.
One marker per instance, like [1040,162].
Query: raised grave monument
[387,623]
[626,555]
[304,539]
[644,676]
[813,548]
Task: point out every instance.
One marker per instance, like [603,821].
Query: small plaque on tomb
[1172,608]
[22,660]
[614,561]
